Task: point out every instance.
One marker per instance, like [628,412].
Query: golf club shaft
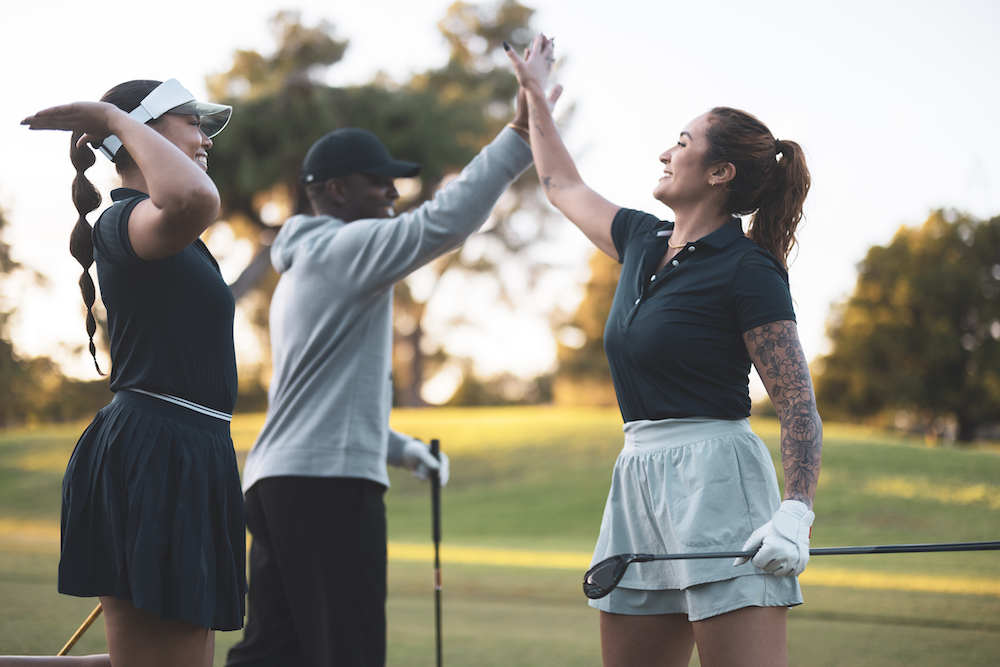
[83,628]
[436,534]
[845,551]
[907,548]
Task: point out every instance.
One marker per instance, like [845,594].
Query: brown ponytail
[86,198]
[771,181]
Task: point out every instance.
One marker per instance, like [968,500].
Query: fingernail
[506,46]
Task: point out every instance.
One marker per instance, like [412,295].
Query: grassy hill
[519,519]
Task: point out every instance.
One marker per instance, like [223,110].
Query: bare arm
[556,169]
[183,199]
[781,364]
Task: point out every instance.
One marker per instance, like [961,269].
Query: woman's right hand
[534,69]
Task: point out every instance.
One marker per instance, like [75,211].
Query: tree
[440,119]
[22,379]
[584,377]
[12,371]
[918,342]
[35,389]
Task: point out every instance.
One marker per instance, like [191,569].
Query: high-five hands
[534,68]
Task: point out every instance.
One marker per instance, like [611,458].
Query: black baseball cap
[351,150]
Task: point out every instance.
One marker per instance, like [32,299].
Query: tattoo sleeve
[781,363]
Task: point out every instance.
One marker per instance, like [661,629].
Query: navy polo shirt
[170,320]
[674,337]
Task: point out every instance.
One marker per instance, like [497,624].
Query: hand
[521,117]
[530,67]
[417,457]
[93,119]
[782,544]
[535,67]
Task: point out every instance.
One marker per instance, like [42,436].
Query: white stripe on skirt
[184,403]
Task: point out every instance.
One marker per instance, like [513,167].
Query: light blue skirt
[685,485]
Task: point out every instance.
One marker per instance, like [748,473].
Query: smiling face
[184,131]
[365,196]
[686,178]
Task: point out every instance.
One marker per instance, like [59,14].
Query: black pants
[317,574]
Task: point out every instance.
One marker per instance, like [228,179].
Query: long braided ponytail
[86,197]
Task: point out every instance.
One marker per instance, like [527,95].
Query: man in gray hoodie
[316,476]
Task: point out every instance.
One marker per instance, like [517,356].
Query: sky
[894,102]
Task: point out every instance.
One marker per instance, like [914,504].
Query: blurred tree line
[34,390]
[439,118]
[916,346]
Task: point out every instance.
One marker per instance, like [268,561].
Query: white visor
[171,97]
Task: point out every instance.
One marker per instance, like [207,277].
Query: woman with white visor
[152,514]
[698,302]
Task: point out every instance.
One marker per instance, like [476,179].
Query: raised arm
[183,199]
[781,364]
[557,172]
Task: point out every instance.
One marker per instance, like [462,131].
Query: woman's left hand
[93,119]
[782,544]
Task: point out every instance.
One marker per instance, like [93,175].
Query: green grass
[535,479]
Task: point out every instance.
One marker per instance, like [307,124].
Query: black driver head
[603,577]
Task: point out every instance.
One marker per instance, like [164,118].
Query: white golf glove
[417,457]
[782,544]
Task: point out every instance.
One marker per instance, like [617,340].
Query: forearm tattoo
[778,356]
[536,121]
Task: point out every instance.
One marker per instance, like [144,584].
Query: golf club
[604,577]
[436,534]
[83,628]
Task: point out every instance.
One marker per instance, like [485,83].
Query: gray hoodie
[331,323]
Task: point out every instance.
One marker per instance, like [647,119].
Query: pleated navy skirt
[152,512]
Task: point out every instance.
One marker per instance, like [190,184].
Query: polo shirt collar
[720,238]
[121,194]
[724,235]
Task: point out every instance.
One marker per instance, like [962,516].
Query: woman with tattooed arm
[697,303]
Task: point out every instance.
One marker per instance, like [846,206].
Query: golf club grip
[436,495]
